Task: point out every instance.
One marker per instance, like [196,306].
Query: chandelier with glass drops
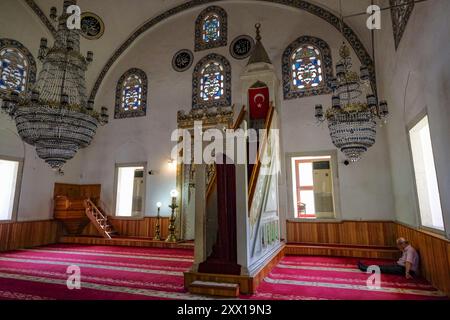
[55,116]
[352,118]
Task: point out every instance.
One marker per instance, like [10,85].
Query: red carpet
[126,273]
[314,278]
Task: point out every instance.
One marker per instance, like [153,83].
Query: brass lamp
[158,224]
[171,237]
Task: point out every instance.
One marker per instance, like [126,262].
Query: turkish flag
[258,99]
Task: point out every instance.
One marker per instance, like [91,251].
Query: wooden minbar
[69,205]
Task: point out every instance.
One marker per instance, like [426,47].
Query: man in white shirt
[407,265]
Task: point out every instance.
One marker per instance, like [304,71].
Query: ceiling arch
[317,10]
[41,16]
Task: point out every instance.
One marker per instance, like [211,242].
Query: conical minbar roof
[259,53]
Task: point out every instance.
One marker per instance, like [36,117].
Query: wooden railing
[98,219]
[261,150]
[239,119]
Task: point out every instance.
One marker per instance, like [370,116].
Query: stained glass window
[306,68]
[211,29]
[131,94]
[13,70]
[211,82]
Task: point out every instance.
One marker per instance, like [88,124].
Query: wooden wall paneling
[16,235]
[144,228]
[372,239]
[434,252]
[359,233]
[76,191]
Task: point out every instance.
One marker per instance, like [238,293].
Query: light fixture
[172,163]
[157,236]
[352,118]
[172,237]
[174,193]
[55,116]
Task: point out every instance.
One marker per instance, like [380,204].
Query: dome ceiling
[122,18]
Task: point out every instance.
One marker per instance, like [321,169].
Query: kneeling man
[407,265]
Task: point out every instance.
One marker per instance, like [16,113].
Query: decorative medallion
[92,27]
[400,12]
[182,60]
[242,47]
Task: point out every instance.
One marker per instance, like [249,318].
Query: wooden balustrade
[136,228]
[256,168]
[99,219]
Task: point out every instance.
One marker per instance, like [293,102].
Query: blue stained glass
[132,93]
[306,68]
[211,28]
[13,70]
[212,82]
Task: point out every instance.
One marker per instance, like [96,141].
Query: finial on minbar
[258,32]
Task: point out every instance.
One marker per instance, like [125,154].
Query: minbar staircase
[99,219]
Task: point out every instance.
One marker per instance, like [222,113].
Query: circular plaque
[241,47]
[92,27]
[182,60]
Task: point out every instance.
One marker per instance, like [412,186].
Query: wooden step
[124,241]
[218,289]
[356,251]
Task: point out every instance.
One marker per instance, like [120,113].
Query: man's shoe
[362,266]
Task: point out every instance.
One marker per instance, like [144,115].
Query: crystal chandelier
[55,116]
[352,118]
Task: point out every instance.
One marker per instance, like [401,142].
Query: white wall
[18,22]
[415,77]
[365,187]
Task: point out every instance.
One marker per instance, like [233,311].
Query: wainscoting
[16,235]
[359,233]
[371,239]
[434,254]
[139,228]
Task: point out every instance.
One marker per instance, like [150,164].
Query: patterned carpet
[129,273]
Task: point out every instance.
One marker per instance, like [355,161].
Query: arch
[315,55]
[131,95]
[316,10]
[211,82]
[211,27]
[13,49]
[33,6]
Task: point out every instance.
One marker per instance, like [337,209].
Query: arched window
[17,67]
[211,82]
[307,68]
[131,94]
[211,29]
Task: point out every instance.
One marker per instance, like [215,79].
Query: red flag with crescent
[259,102]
